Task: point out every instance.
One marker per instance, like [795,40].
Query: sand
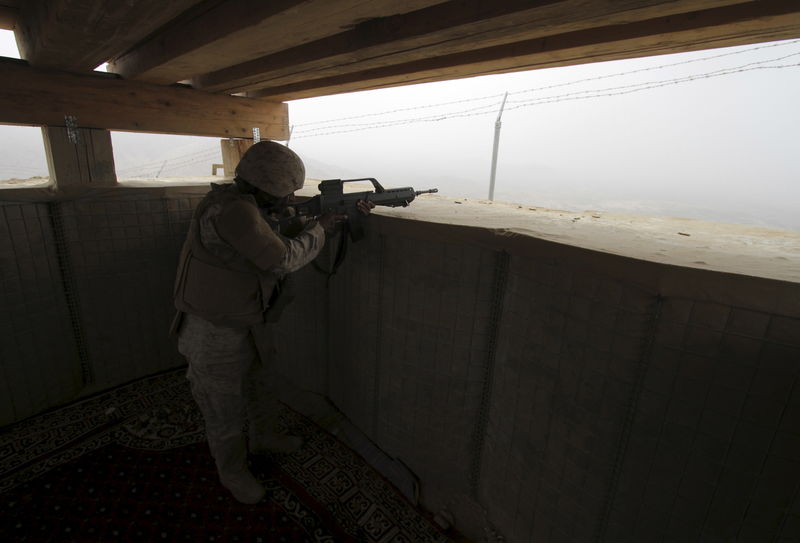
[746,250]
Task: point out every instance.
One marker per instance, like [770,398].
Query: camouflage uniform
[230,265]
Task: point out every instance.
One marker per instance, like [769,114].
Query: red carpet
[132,465]
[121,494]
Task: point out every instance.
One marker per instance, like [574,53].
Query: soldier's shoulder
[228,195]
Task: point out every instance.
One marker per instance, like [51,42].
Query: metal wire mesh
[40,366]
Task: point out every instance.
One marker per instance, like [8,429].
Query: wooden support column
[86,159]
[232,151]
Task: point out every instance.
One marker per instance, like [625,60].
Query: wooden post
[86,159]
[232,151]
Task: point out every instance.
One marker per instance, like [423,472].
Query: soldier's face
[275,204]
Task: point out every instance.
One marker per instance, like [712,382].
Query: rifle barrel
[429,191]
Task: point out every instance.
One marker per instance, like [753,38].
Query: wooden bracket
[73,135]
[232,151]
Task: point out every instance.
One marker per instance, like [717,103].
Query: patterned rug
[132,465]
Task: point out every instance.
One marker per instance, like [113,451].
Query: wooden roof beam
[33,96]
[752,22]
[79,35]
[240,30]
[454,27]
[8,17]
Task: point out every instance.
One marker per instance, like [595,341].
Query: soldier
[229,277]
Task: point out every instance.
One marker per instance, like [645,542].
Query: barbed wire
[159,167]
[653,85]
[557,85]
[157,163]
[693,77]
[491,107]
[578,95]
[404,109]
[662,66]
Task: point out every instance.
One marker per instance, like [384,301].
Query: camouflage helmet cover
[273,168]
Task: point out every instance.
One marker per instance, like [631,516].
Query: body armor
[227,269]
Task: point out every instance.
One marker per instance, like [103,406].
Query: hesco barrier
[539,390]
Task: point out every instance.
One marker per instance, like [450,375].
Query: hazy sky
[723,147]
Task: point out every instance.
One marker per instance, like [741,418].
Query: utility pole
[497,125]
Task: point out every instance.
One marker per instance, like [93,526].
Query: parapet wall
[570,395]
[549,392]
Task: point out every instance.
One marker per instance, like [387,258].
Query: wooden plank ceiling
[288,49]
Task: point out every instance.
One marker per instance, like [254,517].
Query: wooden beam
[79,35]
[8,17]
[445,29]
[752,22]
[43,97]
[84,157]
[239,30]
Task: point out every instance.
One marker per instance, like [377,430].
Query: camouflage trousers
[229,382]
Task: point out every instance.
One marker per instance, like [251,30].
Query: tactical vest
[228,291]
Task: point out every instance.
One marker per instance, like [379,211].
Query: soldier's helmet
[273,168]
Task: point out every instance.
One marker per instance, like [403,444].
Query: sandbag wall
[548,393]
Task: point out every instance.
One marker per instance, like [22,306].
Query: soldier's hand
[329,220]
[365,206]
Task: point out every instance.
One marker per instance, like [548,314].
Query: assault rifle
[333,199]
